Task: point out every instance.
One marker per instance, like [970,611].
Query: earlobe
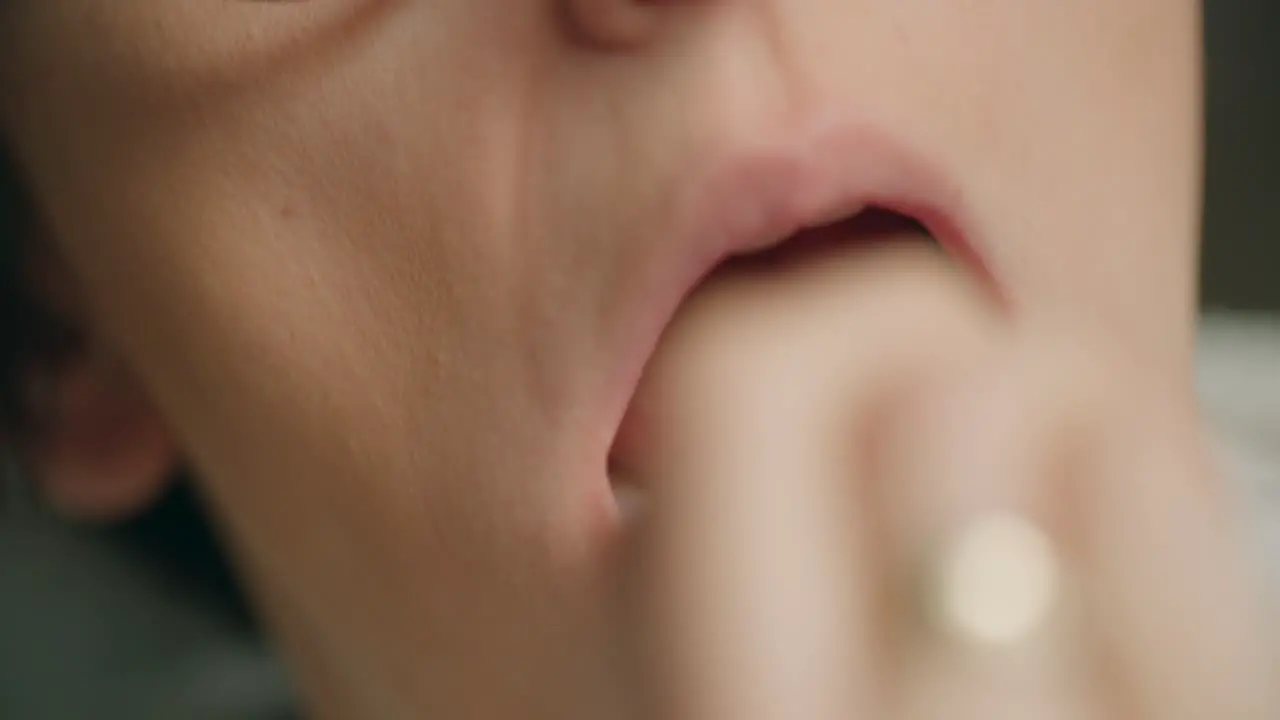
[86,435]
[99,450]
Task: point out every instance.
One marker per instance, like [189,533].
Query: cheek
[314,265]
[325,94]
[139,51]
[1078,128]
[323,191]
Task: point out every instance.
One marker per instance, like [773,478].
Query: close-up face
[386,272]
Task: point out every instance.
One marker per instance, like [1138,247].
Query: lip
[754,198]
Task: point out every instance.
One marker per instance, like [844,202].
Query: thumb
[753,569]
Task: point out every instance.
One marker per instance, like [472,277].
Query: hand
[815,440]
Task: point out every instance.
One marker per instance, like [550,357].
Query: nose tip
[618,24]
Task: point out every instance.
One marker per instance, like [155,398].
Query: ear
[96,449]
[100,451]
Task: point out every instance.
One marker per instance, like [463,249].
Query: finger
[972,476]
[761,560]
[1166,572]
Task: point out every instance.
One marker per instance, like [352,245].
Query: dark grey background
[1242,222]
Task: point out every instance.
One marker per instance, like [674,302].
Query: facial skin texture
[376,262]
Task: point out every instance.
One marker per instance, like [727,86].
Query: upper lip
[754,198]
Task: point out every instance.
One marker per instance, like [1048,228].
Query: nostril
[614,24]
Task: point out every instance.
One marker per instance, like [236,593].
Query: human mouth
[771,204]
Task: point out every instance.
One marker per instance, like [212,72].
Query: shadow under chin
[179,540]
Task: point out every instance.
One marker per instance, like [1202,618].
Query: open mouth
[834,184]
[867,228]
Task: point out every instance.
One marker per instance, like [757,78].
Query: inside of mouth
[872,226]
[877,221]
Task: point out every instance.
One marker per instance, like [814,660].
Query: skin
[813,437]
[369,266]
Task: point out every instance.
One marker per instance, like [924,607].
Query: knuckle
[1106,385]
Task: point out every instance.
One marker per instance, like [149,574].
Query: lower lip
[642,343]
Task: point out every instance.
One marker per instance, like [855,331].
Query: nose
[620,24]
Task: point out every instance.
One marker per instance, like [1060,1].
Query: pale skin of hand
[807,435]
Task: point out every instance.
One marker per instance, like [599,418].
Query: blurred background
[1242,223]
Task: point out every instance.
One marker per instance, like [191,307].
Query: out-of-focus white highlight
[997,581]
